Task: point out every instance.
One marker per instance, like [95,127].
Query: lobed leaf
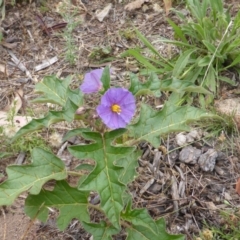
[71,203]
[143,227]
[67,114]
[44,167]
[151,86]
[105,177]
[56,91]
[53,89]
[100,231]
[152,124]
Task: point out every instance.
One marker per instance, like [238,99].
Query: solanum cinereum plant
[110,141]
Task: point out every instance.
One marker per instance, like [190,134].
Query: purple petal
[92,81]
[125,100]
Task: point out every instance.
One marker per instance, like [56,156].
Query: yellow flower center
[116,108]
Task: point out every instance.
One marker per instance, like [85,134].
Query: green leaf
[210,80]
[71,203]
[152,124]
[45,166]
[106,78]
[178,86]
[129,164]
[140,58]
[67,114]
[5,154]
[227,80]
[100,231]
[182,62]
[151,86]
[75,132]
[53,89]
[235,62]
[139,217]
[85,166]
[178,31]
[164,235]
[211,48]
[151,47]
[202,62]
[143,227]
[105,177]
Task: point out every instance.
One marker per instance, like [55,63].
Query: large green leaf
[55,91]
[143,227]
[151,86]
[100,231]
[182,62]
[136,54]
[67,114]
[129,164]
[71,203]
[152,124]
[44,167]
[179,86]
[105,177]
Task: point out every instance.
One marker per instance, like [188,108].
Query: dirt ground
[32,35]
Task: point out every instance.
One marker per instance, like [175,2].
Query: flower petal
[92,81]
[124,99]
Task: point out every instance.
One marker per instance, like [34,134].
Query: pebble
[189,155]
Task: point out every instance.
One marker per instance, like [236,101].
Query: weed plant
[229,229]
[208,41]
[69,15]
[115,160]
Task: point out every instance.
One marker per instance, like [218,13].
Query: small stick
[5,224]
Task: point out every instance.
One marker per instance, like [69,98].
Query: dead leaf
[17,102]
[3,68]
[135,5]
[211,206]
[102,14]
[11,127]
[167,5]
[9,45]
[238,186]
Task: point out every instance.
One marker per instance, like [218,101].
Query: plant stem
[72,173]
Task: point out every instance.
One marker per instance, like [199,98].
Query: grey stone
[207,160]
[189,155]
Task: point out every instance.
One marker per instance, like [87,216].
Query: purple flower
[92,81]
[117,107]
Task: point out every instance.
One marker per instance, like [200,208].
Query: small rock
[181,139]
[221,157]
[218,170]
[189,155]
[227,196]
[157,8]
[207,160]
[155,188]
[193,135]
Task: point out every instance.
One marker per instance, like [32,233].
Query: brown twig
[5,224]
